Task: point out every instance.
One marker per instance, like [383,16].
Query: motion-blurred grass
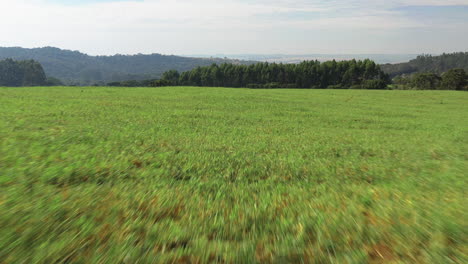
[197,175]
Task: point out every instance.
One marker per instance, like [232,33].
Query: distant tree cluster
[428,63]
[453,79]
[144,83]
[21,73]
[309,74]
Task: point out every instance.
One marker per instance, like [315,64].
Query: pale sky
[105,27]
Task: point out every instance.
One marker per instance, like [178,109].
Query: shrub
[454,79]
[159,83]
[337,86]
[272,85]
[254,85]
[425,81]
[289,85]
[374,84]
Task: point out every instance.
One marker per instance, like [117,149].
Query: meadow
[219,175]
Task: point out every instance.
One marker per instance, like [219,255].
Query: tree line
[308,74]
[364,74]
[453,79]
[21,73]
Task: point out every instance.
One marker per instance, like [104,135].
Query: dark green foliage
[143,83]
[11,73]
[401,80]
[159,83]
[21,73]
[171,77]
[52,81]
[308,74]
[272,85]
[130,83]
[77,68]
[455,79]
[425,81]
[429,63]
[336,87]
[374,84]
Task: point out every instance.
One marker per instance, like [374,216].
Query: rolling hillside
[75,67]
[428,63]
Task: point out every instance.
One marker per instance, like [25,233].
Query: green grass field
[206,175]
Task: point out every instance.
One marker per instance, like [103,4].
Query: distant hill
[428,63]
[298,58]
[74,67]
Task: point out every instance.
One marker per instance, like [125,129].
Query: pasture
[219,175]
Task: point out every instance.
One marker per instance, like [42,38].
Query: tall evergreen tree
[21,73]
[308,74]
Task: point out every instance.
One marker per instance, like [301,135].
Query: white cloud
[202,26]
[431,2]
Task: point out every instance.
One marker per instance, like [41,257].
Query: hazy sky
[237,26]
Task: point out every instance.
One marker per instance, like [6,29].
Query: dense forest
[21,73]
[308,74]
[428,63]
[77,68]
[433,72]
[453,79]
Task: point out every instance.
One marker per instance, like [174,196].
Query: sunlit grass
[196,175]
